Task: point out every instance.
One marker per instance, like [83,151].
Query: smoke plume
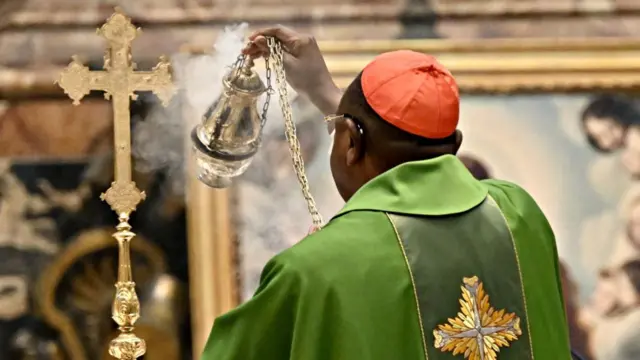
[267,198]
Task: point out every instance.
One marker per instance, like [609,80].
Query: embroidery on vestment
[478,331]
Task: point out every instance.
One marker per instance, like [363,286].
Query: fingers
[257,47]
[284,34]
[257,54]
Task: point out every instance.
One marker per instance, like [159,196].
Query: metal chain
[265,107]
[237,66]
[276,60]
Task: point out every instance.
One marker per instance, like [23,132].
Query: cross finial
[118,29]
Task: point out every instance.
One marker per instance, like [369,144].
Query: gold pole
[119,80]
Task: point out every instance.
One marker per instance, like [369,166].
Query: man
[405,270]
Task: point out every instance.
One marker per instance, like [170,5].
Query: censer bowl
[229,134]
[214,170]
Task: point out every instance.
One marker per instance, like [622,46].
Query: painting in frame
[533,112]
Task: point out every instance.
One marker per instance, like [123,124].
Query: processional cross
[119,80]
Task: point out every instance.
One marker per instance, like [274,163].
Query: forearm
[326,98]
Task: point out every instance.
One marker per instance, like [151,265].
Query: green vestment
[424,262]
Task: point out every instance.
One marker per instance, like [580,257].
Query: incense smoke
[268,202]
[161,139]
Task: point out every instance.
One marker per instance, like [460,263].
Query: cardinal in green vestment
[424,262]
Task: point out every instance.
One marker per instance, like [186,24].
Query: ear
[355,151]
[458,142]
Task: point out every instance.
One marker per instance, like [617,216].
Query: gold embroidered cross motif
[479,331]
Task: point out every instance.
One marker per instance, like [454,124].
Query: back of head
[408,106]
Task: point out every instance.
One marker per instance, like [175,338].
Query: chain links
[237,66]
[276,61]
[270,91]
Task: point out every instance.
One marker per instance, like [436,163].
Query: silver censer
[231,130]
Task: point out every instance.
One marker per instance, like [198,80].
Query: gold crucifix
[479,330]
[119,81]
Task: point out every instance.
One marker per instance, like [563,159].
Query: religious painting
[58,256]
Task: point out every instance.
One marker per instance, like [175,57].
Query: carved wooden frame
[480,66]
[510,65]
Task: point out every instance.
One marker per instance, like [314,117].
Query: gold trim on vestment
[515,251]
[413,285]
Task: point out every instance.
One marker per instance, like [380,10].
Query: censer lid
[246,80]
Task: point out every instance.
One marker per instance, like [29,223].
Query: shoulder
[510,195]
[502,188]
[355,228]
[517,205]
[353,238]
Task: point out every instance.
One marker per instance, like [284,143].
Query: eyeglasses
[331,120]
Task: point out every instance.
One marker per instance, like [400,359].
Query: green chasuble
[423,263]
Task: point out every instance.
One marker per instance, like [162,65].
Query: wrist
[325,96]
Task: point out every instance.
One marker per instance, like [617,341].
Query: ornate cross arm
[158,81]
[77,80]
